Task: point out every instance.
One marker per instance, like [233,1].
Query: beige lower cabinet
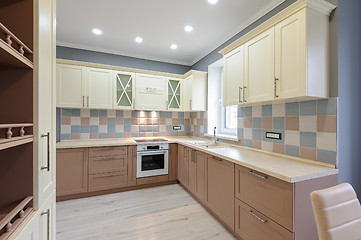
[220,189]
[192,170]
[173,162]
[200,184]
[132,165]
[71,171]
[182,165]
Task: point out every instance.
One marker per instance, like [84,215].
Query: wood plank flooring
[159,213]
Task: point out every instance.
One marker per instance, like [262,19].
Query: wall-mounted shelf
[9,221]
[13,53]
[15,134]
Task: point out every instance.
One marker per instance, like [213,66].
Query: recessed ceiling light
[97,31]
[174,46]
[139,39]
[213,2]
[188,28]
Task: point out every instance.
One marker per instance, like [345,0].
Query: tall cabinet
[27,121]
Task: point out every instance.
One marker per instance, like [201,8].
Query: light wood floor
[159,213]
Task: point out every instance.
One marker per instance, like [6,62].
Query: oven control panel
[151,147]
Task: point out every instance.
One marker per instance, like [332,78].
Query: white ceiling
[159,22]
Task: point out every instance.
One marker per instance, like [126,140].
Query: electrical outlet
[177,128]
[274,135]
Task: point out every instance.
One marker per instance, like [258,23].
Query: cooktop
[150,140]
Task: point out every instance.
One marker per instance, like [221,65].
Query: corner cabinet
[124,90]
[284,58]
[151,92]
[195,91]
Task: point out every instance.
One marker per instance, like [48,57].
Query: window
[224,118]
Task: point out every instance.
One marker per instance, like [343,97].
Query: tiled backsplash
[94,124]
[308,128]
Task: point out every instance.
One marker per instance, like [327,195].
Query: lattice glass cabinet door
[174,94]
[124,95]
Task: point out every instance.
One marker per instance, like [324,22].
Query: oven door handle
[153,152]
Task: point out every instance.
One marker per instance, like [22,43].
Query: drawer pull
[108,175]
[105,148]
[151,179]
[257,175]
[218,159]
[254,215]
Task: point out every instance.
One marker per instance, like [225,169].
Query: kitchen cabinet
[151,92]
[124,90]
[200,183]
[220,189]
[195,91]
[72,171]
[192,170]
[259,67]
[30,229]
[174,101]
[84,87]
[183,165]
[47,219]
[233,77]
[132,165]
[173,161]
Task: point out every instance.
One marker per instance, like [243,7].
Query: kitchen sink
[210,145]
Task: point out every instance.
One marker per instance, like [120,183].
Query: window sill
[224,136]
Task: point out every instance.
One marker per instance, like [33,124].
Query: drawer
[108,164]
[107,151]
[104,181]
[153,179]
[252,225]
[271,196]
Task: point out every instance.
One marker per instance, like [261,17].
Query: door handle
[48,151]
[240,94]
[47,213]
[244,94]
[275,85]
[87,101]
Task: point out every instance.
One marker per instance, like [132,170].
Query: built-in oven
[152,160]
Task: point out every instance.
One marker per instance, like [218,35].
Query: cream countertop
[287,168]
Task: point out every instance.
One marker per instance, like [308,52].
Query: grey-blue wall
[118,60]
[349,110]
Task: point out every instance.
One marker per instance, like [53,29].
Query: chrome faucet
[214,135]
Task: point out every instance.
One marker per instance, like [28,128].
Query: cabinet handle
[192,156]
[109,175]
[258,218]
[105,148]
[240,94]
[244,94]
[87,101]
[218,159]
[151,179]
[275,85]
[47,213]
[48,151]
[257,175]
[190,104]
[83,101]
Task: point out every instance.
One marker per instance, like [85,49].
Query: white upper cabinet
[195,91]
[83,87]
[259,67]
[151,92]
[124,90]
[233,77]
[174,87]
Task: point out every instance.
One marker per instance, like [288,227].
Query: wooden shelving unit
[16,118]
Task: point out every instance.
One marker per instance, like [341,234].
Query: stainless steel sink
[210,145]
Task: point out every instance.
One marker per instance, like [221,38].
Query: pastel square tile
[84,135]
[127,114]
[149,134]
[263,137]
[278,110]
[84,112]
[135,128]
[135,121]
[175,121]
[103,121]
[256,134]
[142,128]
[292,150]
[103,128]
[308,108]
[248,133]
[308,139]
[135,134]
[169,128]
[111,135]
[119,135]
[256,122]
[293,109]
[240,133]
[267,122]
[247,112]
[75,112]
[94,135]
[174,115]
[155,128]
[119,121]
[94,113]
[278,123]
[256,144]
[75,136]
[247,122]
[308,153]
[94,128]
[282,140]
[267,146]
[110,128]
[278,148]
[75,120]
[103,135]
[111,113]
[75,129]
[119,114]
[180,115]
[84,129]
[127,134]
[327,156]
[94,121]
[66,113]
[168,121]
[326,124]
[119,128]
[85,120]
[327,141]
[267,111]
[111,121]
[66,129]
[308,123]
[136,114]
[292,123]
[180,121]
[247,142]
[240,122]
[127,122]
[162,128]
[103,113]
[65,121]
[327,106]
[292,138]
[257,111]
[127,128]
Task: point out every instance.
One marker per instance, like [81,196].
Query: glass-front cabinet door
[174,94]
[124,90]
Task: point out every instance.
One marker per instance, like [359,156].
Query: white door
[259,67]
[233,74]
[30,230]
[99,88]
[150,92]
[44,102]
[290,55]
[199,86]
[174,96]
[124,93]
[70,86]
[47,219]
[187,93]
